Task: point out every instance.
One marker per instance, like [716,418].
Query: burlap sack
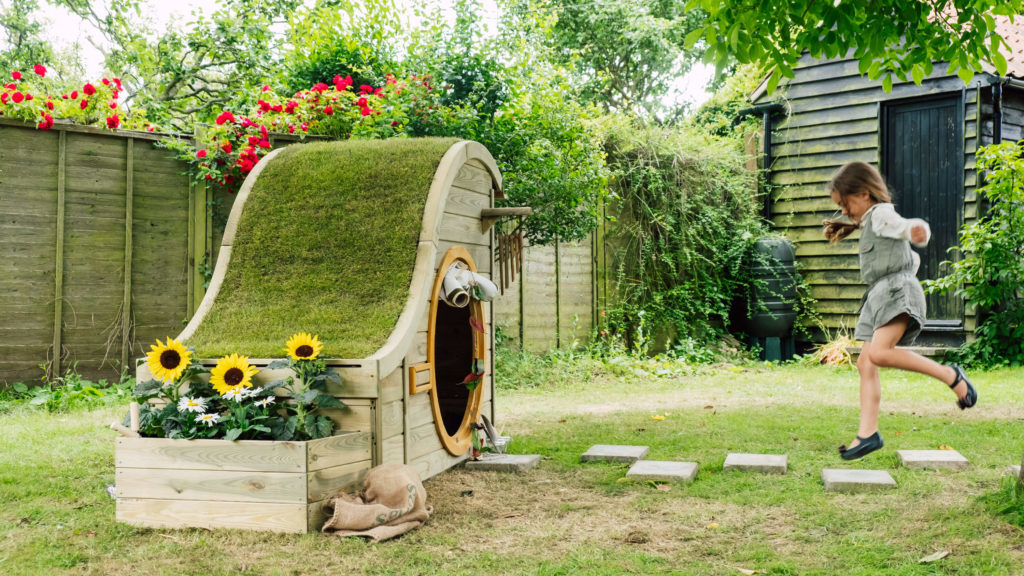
[393,501]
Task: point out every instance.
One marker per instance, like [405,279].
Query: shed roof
[1012,33]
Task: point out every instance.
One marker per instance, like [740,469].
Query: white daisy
[265,402]
[189,404]
[236,394]
[208,419]
[252,392]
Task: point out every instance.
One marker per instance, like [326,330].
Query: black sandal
[865,447]
[969,399]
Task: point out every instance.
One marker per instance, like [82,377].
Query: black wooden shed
[922,138]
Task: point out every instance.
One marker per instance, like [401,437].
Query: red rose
[394,122]
[377,91]
[49,105]
[264,106]
[113,122]
[64,96]
[209,176]
[291,106]
[149,128]
[266,87]
[4,97]
[17,97]
[319,87]
[263,132]
[74,94]
[329,111]
[29,97]
[264,144]
[254,140]
[365,111]
[201,154]
[105,82]
[361,102]
[277,108]
[89,89]
[39,69]
[225,116]
[16,75]
[365,89]
[113,104]
[84,104]
[291,127]
[118,82]
[226,147]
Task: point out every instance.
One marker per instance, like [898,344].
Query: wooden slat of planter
[326,483]
[226,486]
[258,456]
[273,516]
[338,450]
[392,419]
[356,415]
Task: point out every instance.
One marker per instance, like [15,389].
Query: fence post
[58,294]
[558,298]
[126,304]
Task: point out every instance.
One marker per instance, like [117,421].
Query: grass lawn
[571,518]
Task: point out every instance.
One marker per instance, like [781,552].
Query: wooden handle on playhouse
[488,216]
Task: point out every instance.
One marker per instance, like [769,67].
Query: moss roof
[326,244]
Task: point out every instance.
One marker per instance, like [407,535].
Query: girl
[893,308]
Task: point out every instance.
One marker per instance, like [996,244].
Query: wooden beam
[488,216]
[126,303]
[58,294]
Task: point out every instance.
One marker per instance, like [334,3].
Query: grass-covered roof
[326,244]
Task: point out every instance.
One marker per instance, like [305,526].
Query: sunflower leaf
[147,389]
[307,397]
[286,430]
[309,425]
[279,383]
[324,426]
[278,364]
[328,401]
[333,377]
[262,429]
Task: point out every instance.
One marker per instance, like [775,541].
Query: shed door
[922,161]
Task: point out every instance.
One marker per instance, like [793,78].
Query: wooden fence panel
[28,240]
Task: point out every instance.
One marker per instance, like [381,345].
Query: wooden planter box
[248,484]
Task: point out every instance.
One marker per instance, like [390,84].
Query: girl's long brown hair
[851,179]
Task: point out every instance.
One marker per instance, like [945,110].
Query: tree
[178,75]
[625,54]
[890,38]
[22,45]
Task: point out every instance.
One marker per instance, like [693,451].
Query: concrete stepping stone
[765,463]
[614,453]
[1013,471]
[934,459]
[843,480]
[504,462]
[663,471]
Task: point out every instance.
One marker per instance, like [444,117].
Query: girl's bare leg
[885,354]
[870,393]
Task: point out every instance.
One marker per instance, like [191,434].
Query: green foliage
[67,393]
[342,38]
[718,115]
[623,55]
[23,44]
[891,38]
[990,271]
[686,215]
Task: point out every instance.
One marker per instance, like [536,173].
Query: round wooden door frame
[460,442]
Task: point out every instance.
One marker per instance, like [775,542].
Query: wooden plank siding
[833,118]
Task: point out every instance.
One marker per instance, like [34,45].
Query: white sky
[67,29]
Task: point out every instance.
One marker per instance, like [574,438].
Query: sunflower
[168,361]
[231,374]
[302,346]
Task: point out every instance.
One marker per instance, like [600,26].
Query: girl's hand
[918,234]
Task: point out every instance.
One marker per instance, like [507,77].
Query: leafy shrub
[990,272]
[68,392]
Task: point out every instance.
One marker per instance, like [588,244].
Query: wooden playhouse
[300,243]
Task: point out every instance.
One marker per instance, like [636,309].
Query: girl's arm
[886,222]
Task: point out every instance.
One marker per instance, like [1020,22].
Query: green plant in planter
[990,275]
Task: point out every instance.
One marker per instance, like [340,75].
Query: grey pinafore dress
[889,267]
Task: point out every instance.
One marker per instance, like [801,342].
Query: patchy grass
[326,245]
[572,518]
